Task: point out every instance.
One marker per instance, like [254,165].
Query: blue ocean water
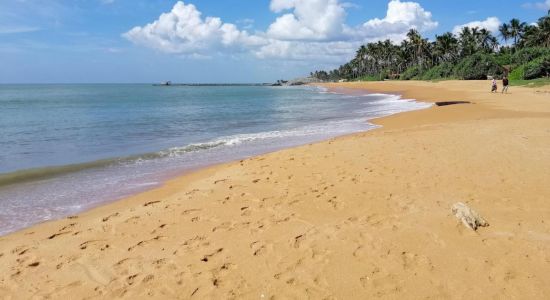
[66,148]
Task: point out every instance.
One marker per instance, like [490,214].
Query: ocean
[68,148]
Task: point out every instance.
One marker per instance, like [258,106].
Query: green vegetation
[472,54]
[411,73]
[368,78]
[531,83]
[442,71]
[537,68]
[477,66]
[517,73]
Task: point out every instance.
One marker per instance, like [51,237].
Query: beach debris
[469,217]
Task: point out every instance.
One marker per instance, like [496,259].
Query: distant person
[494,86]
[505,84]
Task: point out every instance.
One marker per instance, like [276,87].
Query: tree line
[474,53]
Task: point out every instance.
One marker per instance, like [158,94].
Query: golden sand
[361,216]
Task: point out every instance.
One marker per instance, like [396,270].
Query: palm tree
[379,58]
[486,41]
[544,30]
[517,29]
[405,55]
[446,47]
[419,46]
[538,35]
[504,30]
[467,42]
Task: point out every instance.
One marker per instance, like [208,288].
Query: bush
[517,73]
[411,73]
[537,68]
[476,67]
[503,59]
[369,78]
[526,55]
[444,70]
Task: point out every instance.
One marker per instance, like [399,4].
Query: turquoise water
[66,148]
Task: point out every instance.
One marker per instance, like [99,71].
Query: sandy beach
[361,216]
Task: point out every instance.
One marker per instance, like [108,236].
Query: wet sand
[365,215]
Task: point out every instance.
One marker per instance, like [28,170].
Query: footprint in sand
[298,240]
[131,279]
[133,220]
[34,264]
[151,203]
[193,244]
[107,218]
[20,250]
[99,244]
[207,257]
[53,236]
[145,242]
[189,211]
[258,248]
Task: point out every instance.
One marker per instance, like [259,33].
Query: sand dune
[360,216]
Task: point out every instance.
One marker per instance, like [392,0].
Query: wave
[36,174]
[331,128]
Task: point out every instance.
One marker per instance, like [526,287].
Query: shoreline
[366,214]
[30,176]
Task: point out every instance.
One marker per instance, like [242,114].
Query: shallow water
[66,148]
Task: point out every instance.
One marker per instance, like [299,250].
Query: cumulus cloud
[304,29]
[400,17]
[313,20]
[311,51]
[183,30]
[491,24]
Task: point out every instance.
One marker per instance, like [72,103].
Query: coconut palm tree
[486,41]
[467,42]
[419,47]
[517,29]
[504,31]
[446,47]
[544,30]
[539,34]
[379,58]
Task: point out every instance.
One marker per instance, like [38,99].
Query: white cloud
[305,29]
[313,20]
[538,5]
[491,24]
[400,17]
[313,51]
[183,30]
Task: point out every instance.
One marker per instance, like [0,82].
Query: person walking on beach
[494,86]
[505,84]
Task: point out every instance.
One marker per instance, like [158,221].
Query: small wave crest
[28,175]
[389,103]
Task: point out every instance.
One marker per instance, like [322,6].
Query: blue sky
[88,41]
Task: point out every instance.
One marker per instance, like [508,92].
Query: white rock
[468,216]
